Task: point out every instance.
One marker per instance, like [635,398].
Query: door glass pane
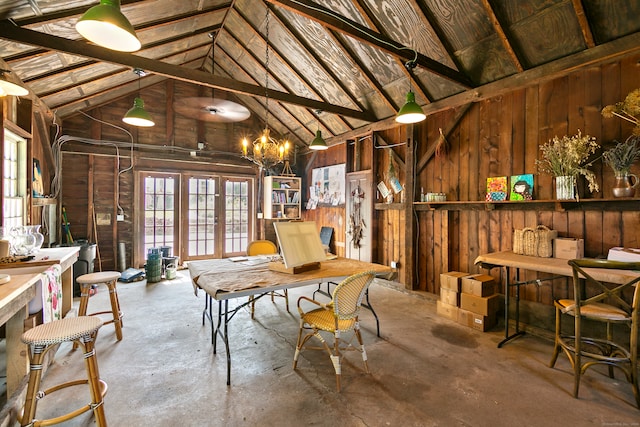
[201,239]
[159,214]
[236,216]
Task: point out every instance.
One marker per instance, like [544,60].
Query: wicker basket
[534,241]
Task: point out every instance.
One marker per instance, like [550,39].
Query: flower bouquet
[567,157]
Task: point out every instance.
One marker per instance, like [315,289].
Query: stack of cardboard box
[449,302]
[479,302]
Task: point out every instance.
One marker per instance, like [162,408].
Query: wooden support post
[409,189]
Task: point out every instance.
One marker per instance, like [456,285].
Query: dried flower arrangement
[621,157]
[567,156]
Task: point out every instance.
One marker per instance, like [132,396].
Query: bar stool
[109,278]
[81,330]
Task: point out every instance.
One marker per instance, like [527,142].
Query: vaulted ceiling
[336,64]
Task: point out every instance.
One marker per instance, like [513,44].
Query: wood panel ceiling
[345,58]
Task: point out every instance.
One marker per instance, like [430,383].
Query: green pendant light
[410,112]
[318,142]
[106,26]
[137,115]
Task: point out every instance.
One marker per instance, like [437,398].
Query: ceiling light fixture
[266,151]
[318,142]
[10,88]
[106,26]
[212,109]
[411,112]
[137,115]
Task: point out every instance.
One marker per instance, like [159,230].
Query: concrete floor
[425,370]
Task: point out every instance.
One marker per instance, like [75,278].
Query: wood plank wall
[324,216]
[90,172]
[501,136]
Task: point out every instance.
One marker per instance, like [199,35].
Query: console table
[558,267]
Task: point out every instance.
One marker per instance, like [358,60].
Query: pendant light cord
[266,67]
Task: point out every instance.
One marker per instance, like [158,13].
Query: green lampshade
[318,143]
[106,26]
[410,112]
[138,116]
[10,88]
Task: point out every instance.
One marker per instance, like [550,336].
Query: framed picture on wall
[329,185]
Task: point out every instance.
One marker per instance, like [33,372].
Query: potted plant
[621,157]
[566,158]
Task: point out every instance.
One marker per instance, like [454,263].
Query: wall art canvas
[37,185]
[521,187]
[329,183]
[497,189]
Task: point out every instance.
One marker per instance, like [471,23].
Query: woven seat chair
[265,247]
[598,301]
[81,330]
[337,317]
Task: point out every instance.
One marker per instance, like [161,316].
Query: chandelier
[267,151]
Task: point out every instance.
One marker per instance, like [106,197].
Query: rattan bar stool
[109,278]
[82,330]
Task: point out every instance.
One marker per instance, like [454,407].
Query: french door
[198,216]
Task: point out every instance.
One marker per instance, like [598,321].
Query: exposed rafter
[327,18]
[11,32]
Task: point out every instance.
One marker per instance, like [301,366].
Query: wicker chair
[596,301]
[265,247]
[337,317]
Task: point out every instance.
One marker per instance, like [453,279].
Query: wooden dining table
[223,280]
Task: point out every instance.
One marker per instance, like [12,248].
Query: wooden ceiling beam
[11,32]
[584,23]
[501,35]
[173,20]
[353,29]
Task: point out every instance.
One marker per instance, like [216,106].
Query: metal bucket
[170,272]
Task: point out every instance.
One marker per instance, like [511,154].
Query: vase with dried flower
[621,157]
[565,159]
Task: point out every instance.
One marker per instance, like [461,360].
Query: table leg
[368,305]
[507,284]
[16,353]
[226,340]
[66,277]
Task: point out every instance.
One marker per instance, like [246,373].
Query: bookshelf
[282,197]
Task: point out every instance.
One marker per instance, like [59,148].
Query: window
[14,179]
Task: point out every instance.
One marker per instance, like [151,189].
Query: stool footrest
[69,415]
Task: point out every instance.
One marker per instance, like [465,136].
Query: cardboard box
[486,306]
[624,254]
[450,297]
[568,248]
[451,280]
[447,310]
[476,321]
[480,285]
